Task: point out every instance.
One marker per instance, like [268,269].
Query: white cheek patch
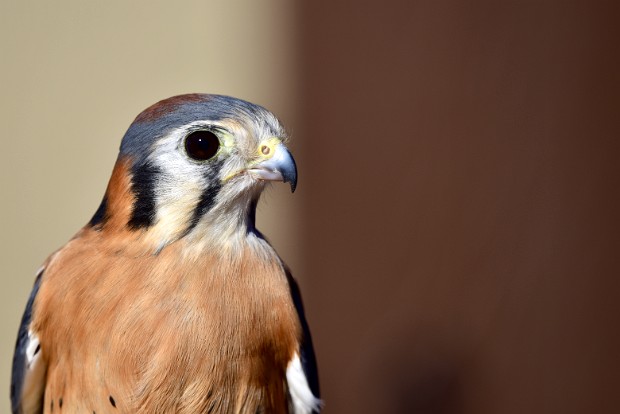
[182,182]
[177,190]
[304,402]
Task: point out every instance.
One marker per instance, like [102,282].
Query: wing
[302,374]
[28,377]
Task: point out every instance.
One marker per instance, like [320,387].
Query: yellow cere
[265,151]
[267,148]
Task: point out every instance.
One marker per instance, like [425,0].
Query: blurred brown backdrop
[461,218]
[455,230]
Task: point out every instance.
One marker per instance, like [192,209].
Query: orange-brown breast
[127,331]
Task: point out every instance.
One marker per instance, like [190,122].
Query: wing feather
[28,375]
[302,373]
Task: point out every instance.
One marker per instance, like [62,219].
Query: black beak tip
[290,175]
[291,178]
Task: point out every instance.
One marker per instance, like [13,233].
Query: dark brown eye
[202,145]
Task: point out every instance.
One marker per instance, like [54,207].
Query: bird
[170,300]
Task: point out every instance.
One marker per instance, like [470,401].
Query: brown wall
[460,175]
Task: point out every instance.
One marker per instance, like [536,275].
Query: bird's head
[195,165]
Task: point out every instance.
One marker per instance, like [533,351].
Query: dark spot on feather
[60,403]
[143,186]
[112,402]
[36,351]
[52,406]
[100,215]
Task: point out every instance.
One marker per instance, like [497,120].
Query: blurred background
[455,229]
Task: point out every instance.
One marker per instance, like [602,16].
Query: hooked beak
[279,167]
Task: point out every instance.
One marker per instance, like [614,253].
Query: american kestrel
[170,300]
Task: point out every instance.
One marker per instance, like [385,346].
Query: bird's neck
[228,224]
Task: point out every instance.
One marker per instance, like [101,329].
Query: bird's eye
[202,145]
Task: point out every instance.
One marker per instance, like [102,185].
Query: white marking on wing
[34,378]
[304,402]
[32,350]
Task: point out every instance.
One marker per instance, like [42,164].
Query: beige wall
[75,74]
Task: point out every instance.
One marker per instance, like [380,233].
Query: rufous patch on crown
[165,106]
